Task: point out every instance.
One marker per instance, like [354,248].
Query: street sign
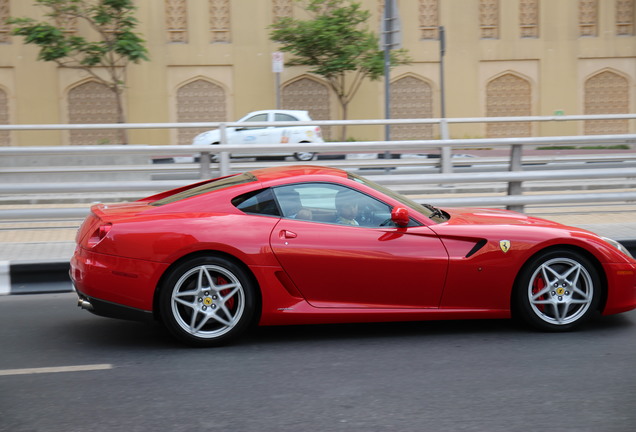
[277,62]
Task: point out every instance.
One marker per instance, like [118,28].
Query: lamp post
[445,159]
[390,40]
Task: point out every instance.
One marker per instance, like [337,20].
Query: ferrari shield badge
[504,245]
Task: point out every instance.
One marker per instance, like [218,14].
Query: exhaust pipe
[84,304]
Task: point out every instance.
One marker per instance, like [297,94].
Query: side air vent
[480,244]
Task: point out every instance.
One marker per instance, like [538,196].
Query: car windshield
[214,185]
[428,211]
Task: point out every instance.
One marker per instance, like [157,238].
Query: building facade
[211,60]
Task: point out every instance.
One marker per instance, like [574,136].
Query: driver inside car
[346,208]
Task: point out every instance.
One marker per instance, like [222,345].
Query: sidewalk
[32,245]
[37,244]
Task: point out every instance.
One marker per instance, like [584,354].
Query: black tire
[208,301]
[557,290]
[215,157]
[304,156]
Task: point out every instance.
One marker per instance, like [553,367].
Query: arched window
[176,21]
[489,19]
[606,93]
[625,17]
[90,103]
[282,9]
[309,95]
[5,30]
[220,21]
[411,98]
[508,96]
[199,101]
[529,18]
[428,18]
[588,17]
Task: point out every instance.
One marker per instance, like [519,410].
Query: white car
[268,135]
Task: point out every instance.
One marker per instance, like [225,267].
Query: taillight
[318,131]
[99,234]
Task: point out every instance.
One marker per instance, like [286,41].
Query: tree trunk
[121,116]
[345,116]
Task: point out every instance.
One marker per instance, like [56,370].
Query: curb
[53,276]
[34,277]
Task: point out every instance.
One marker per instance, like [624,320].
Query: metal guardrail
[509,201]
[223,150]
[340,163]
[378,146]
[515,177]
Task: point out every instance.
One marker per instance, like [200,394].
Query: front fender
[206,138]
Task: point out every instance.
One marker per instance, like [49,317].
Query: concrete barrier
[79,160]
[34,277]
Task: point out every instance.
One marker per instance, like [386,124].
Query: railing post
[223,157]
[515,187]
[204,170]
[446,163]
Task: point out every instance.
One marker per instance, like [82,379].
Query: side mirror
[400,216]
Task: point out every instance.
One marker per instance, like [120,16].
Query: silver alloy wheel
[560,291]
[304,156]
[207,301]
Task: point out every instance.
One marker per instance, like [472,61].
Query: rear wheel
[304,156]
[207,301]
[214,157]
[557,291]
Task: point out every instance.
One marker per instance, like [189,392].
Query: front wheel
[557,291]
[207,301]
[304,156]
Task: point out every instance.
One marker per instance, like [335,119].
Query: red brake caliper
[537,286]
[222,281]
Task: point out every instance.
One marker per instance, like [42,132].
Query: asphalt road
[431,376]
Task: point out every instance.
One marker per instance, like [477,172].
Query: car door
[361,266]
[246,134]
[274,133]
[285,134]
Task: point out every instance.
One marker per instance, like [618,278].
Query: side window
[257,202]
[290,203]
[284,117]
[255,118]
[331,203]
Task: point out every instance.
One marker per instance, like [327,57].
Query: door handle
[284,234]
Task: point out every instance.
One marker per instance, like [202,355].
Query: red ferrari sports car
[309,245]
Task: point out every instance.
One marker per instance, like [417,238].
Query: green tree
[109,46]
[336,45]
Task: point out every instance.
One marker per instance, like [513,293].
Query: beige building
[211,60]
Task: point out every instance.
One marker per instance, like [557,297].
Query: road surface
[64,369]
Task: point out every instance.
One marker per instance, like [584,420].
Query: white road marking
[31,371]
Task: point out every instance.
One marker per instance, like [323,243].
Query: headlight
[618,246]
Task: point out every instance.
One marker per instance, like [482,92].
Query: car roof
[278,111]
[289,172]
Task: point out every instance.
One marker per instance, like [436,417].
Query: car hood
[478,216]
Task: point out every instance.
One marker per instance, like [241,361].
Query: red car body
[453,264]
